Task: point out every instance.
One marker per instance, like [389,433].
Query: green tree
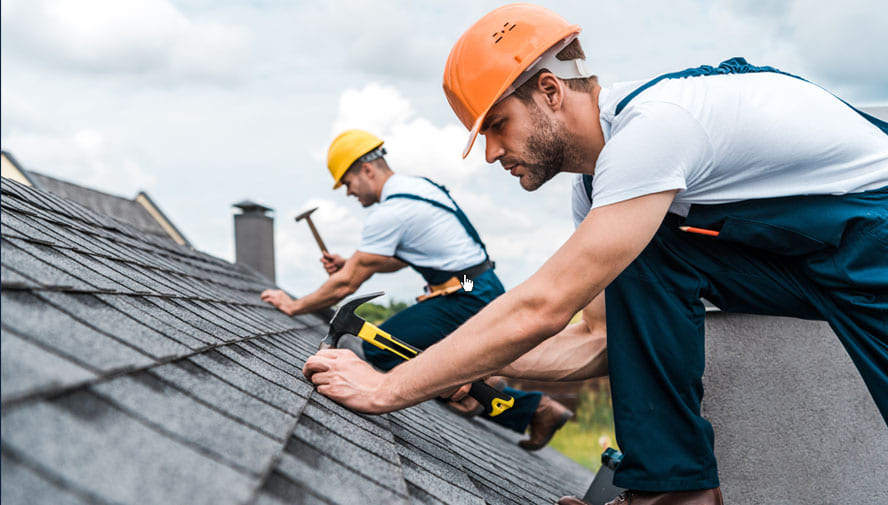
[376,313]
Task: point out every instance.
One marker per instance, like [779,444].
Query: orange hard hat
[493,53]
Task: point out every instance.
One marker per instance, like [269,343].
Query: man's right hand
[332,262]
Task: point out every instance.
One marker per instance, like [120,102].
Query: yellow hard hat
[346,148]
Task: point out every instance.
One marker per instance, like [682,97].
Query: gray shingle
[223,396]
[133,273]
[12,223]
[41,271]
[280,490]
[253,383]
[11,278]
[87,442]
[305,466]
[219,317]
[108,319]
[92,270]
[24,486]
[266,369]
[424,457]
[147,397]
[278,359]
[185,312]
[351,453]
[373,437]
[33,318]
[200,324]
[163,322]
[28,368]
[428,475]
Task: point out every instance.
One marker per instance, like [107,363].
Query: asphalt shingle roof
[138,371]
[122,208]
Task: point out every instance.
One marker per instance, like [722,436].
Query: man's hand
[346,379]
[279,299]
[458,394]
[332,262]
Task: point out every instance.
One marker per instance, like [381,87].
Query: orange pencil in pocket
[701,231]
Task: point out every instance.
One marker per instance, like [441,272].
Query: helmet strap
[563,69]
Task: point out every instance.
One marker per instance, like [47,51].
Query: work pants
[427,322]
[811,257]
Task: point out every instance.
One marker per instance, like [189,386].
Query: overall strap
[460,215]
[587,185]
[735,66]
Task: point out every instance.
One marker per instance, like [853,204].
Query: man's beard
[547,150]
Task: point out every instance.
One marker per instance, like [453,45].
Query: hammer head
[305,214]
[345,321]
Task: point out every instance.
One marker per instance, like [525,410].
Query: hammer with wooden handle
[314,231]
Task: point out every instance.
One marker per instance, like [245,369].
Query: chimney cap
[251,207]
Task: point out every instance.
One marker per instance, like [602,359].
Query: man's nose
[493,149]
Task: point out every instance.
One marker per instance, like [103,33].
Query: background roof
[138,371]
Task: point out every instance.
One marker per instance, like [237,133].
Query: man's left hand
[279,299]
[348,380]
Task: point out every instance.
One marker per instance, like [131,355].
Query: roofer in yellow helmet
[417,223]
[743,184]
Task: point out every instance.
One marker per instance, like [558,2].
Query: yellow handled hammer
[345,321]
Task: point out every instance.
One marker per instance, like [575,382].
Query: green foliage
[581,439]
[375,313]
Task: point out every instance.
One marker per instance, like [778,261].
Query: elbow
[544,316]
[345,289]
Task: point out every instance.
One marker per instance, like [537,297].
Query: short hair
[376,160]
[571,52]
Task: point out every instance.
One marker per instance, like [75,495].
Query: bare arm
[577,352]
[345,281]
[513,324]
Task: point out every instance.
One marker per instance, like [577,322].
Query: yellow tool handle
[495,402]
[384,341]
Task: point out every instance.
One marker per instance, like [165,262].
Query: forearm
[576,353]
[524,317]
[511,325]
[334,289]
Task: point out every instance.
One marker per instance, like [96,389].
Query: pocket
[769,237]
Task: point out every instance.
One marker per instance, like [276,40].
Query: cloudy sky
[205,103]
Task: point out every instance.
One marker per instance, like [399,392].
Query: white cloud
[82,157]
[137,37]
[414,143]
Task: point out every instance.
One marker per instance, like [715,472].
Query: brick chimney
[254,237]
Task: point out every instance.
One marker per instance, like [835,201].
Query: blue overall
[820,257]
[427,322]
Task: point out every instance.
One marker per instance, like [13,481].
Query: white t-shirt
[418,232]
[581,204]
[725,138]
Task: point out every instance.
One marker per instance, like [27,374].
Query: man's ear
[552,90]
[367,170]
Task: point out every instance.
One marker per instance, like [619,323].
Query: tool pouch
[452,285]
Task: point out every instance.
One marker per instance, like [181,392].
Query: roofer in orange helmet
[417,223]
[743,184]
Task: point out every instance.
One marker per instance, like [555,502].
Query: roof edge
[161,218]
[11,169]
